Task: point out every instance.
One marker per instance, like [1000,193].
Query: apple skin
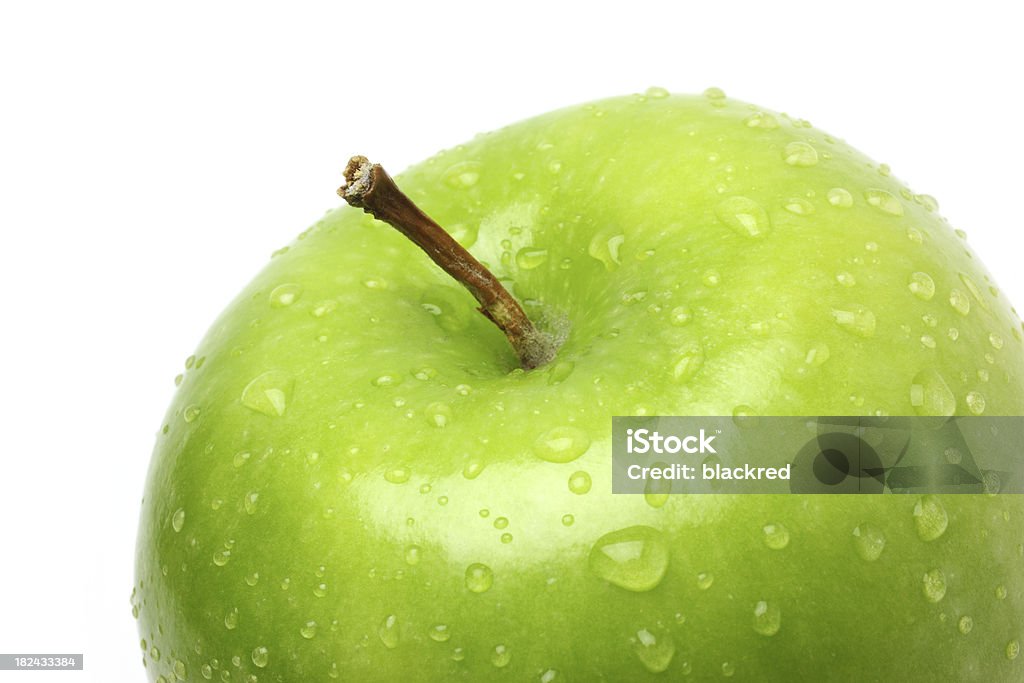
[351,440]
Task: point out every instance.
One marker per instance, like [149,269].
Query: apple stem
[369,187]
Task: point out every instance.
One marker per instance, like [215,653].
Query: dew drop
[479,578]
[975,402]
[656,93]
[856,320]
[260,657]
[846,279]
[654,649]
[285,295]
[680,315]
[800,154]
[250,501]
[635,558]
[561,444]
[1013,650]
[398,475]
[799,206]
[996,341]
[580,482]
[776,536]
[930,395]
[884,201]
[501,656]
[501,523]
[241,458]
[154,653]
[439,633]
[605,247]
[934,585]
[965,624]
[868,541]
[308,630]
[960,302]
[1001,592]
[705,580]
[388,632]
[529,258]
[473,468]
[231,619]
[178,519]
[221,557]
[462,175]
[922,286]
[568,520]
[688,363]
[743,216]
[767,618]
[191,413]
[840,198]
[269,393]
[930,518]
[762,120]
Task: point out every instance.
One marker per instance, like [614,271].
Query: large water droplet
[462,175]
[868,541]
[605,247]
[501,656]
[959,300]
[855,319]
[479,577]
[767,618]
[930,395]
[975,402]
[438,414]
[529,258]
[561,444]
[922,285]
[285,295]
[439,633]
[635,558]
[231,619]
[776,536]
[260,657]
[965,625]
[743,216]
[308,630]
[388,632]
[930,518]
[840,197]
[178,519]
[269,393]
[934,585]
[655,649]
[800,154]
[884,201]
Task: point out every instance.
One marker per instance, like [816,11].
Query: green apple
[356,481]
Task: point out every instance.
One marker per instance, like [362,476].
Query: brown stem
[369,187]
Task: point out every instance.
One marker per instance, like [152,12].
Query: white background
[153,155]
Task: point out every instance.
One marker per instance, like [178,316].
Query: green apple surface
[355,482]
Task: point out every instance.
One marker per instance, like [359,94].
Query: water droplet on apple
[965,624]
[605,247]
[762,120]
[705,580]
[442,500]
[221,557]
[681,315]
[529,258]
[191,413]
[868,541]
[930,518]
[996,341]
[479,578]
[178,379]
[959,301]
[458,654]
[711,278]
[501,523]
[580,482]
[767,618]
[285,295]
[1001,592]
[561,444]
[260,657]
[269,393]
[856,320]
[975,402]
[688,363]
[308,630]
[930,395]
[178,519]
[817,354]
[398,475]
[473,468]
[798,206]
[635,558]
[1013,649]
[501,656]
[743,216]
[714,94]
[560,371]
[922,286]
[231,619]
[439,633]
[463,175]
[241,458]
[846,279]
[207,671]
[249,502]
[884,201]
[438,414]
[840,198]
[655,648]
[568,520]
[252,579]
[388,632]
[728,669]
[934,585]
[387,380]
[154,654]
[776,536]
[320,590]
[800,154]
[656,93]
